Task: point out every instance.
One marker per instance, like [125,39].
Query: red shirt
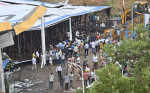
[86,74]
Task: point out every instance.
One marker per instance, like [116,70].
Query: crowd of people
[67,54]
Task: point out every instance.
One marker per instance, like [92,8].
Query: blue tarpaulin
[5,63]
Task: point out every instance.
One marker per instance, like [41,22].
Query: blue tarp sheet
[5,63]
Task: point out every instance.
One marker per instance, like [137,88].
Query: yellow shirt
[101,45]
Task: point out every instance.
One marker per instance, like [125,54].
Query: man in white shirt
[63,59]
[93,46]
[37,56]
[92,76]
[97,44]
[86,47]
[75,50]
[33,63]
[50,62]
[78,60]
[95,61]
[59,70]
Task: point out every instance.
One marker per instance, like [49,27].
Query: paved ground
[42,75]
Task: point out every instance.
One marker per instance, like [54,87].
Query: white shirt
[107,40]
[93,44]
[95,59]
[33,61]
[50,52]
[78,60]
[78,42]
[86,46]
[96,43]
[51,78]
[92,75]
[63,56]
[50,59]
[75,49]
[58,68]
[37,54]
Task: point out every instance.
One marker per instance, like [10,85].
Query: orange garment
[101,45]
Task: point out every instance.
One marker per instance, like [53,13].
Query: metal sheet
[6,40]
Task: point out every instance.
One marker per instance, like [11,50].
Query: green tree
[134,53]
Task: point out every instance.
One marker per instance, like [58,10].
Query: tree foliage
[134,53]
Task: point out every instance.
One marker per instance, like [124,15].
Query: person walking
[66,78]
[51,80]
[50,62]
[61,81]
[86,47]
[71,75]
[34,63]
[59,70]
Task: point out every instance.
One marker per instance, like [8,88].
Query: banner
[5,26]
[31,20]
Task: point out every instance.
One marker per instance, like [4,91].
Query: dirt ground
[42,75]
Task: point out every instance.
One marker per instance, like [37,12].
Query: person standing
[75,50]
[37,56]
[96,45]
[95,61]
[50,62]
[63,59]
[78,60]
[92,76]
[93,46]
[84,63]
[51,80]
[86,47]
[57,57]
[101,45]
[85,75]
[71,75]
[59,70]
[66,78]
[33,63]
[81,47]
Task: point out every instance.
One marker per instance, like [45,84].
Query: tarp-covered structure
[17,11]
